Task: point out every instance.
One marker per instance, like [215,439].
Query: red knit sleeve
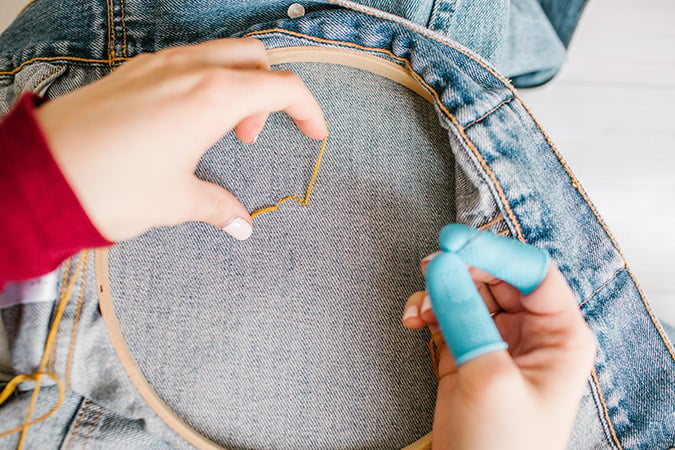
[41,219]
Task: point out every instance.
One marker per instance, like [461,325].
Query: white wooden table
[611,113]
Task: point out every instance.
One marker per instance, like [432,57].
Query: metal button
[296,10]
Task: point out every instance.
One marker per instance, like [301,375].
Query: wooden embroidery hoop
[340,56]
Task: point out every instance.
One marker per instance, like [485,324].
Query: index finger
[258,91]
[235,53]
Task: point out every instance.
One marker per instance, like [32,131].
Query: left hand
[129,143]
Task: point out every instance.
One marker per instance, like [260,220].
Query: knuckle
[289,77]
[494,383]
[173,56]
[489,384]
[213,79]
[256,44]
[142,58]
[216,87]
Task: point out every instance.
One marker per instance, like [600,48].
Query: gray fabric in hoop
[297,331]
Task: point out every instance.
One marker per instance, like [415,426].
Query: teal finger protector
[462,315]
[521,265]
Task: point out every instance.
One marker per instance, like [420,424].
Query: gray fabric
[311,304]
[85,423]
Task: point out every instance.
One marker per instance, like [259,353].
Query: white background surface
[611,112]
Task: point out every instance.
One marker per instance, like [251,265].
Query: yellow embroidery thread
[37,376]
[302,202]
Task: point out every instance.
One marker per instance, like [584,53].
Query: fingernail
[239,229]
[254,139]
[428,258]
[426,304]
[410,311]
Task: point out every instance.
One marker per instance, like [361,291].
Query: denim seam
[75,327]
[423,31]
[124,29]
[52,351]
[602,286]
[439,103]
[111,30]
[87,402]
[498,218]
[487,114]
[93,426]
[440,17]
[46,77]
[62,290]
[598,390]
[61,58]
[605,410]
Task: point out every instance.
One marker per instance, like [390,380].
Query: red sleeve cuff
[42,220]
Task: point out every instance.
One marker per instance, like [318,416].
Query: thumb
[217,206]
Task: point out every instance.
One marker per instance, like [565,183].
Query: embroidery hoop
[345,57]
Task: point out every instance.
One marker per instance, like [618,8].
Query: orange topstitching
[64,285]
[92,427]
[594,375]
[124,30]
[87,402]
[111,30]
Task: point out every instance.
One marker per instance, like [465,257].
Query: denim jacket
[183,338]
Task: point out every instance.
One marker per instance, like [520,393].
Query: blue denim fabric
[79,423]
[523,39]
[564,16]
[297,327]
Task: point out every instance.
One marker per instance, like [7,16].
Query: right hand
[526,397]
[129,144]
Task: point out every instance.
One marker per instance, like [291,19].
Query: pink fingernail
[410,311]
[428,258]
[239,229]
[426,304]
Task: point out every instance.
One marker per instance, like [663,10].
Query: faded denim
[293,338]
